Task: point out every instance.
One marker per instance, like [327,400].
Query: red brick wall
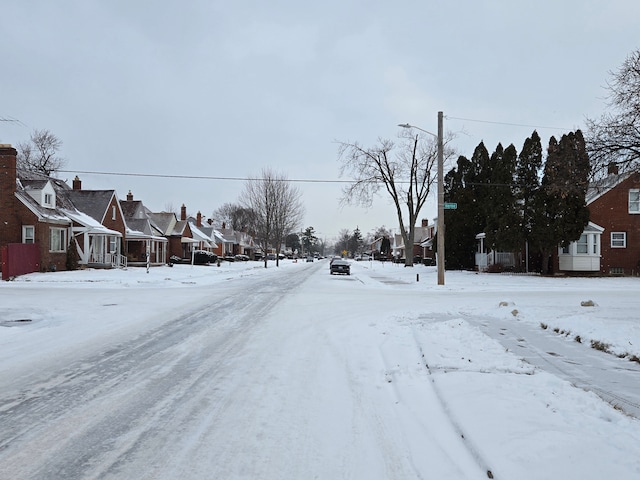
[611,211]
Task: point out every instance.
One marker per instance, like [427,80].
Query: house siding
[611,212]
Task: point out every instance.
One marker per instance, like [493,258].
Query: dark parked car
[338,265]
[202,257]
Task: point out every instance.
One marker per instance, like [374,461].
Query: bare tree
[40,153]
[234,216]
[277,208]
[406,172]
[614,139]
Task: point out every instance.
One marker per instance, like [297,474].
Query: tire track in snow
[447,437]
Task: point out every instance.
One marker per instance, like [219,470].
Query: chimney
[10,229]
[77,184]
[425,222]
[183,212]
[7,169]
[612,169]
[129,196]
[199,220]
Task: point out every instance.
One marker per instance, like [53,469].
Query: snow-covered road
[287,374]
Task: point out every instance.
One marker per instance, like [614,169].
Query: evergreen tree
[355,242]
[528,172]
[463,224]
[309,240]
[563,195]
[501,211]
[73,257]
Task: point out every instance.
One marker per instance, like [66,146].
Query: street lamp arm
[408,125]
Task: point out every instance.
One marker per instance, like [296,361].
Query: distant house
[142,235]
[203,234]
[177,232]
[423,242]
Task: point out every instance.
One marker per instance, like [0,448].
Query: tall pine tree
[459,239]
[528,176]
[502,215]
[562,212]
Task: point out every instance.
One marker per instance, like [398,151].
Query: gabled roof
[51,215]
[27,176]
[228,235]
[180,228]
[198,234]
[133,209]
[600,187]
[94,203]
[90,224]
[164,221]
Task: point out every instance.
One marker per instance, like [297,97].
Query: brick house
[29,213]
[142,235]
[614,227]
[178,233]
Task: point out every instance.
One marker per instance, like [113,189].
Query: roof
[51,215]
[92,225]
[132,209]
[600,187]
[164,221]
[92,202]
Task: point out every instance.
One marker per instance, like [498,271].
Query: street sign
[450,206]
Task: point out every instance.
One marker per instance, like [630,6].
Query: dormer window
[48,200]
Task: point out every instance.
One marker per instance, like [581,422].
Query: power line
[507,123]
[12,120]
[196,177]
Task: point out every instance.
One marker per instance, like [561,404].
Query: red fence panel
[20,259]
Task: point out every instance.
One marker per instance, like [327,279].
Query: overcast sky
[224,89]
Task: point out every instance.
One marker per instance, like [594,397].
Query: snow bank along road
[298,375]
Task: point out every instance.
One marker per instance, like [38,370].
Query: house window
[28,234]
[634,200]
[113,244]
[48,199]
[582,245]
[113,213]
[618,239]
[58,240]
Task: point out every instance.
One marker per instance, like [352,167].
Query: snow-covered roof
[90,223]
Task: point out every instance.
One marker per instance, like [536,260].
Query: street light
[440,224]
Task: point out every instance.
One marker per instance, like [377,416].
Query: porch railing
[113,259]
[485,260]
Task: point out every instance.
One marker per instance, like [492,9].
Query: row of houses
[609,244]
[41,216]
